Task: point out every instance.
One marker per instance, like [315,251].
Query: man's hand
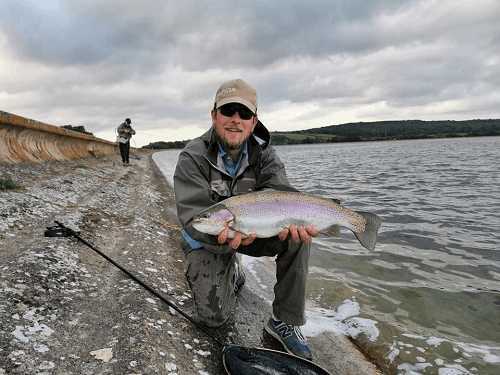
[235,242]
[299,233]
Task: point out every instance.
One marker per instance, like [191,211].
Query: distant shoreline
[372,132]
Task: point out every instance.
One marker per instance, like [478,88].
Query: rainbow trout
[266,213]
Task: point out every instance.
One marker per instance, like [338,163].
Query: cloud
[314,63]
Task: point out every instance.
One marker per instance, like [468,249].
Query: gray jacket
[125,131]
[200,179]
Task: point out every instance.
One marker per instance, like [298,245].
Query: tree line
[390,130]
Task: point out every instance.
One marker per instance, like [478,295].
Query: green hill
[389,130]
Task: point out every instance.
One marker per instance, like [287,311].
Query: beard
[231,146]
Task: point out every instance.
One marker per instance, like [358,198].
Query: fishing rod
[62,230]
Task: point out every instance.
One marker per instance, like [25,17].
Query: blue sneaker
[290,337]
[240,276]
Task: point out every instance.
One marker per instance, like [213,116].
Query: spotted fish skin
[266,213]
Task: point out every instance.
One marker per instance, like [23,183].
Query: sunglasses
[228,110]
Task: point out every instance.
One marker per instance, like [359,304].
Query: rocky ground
[66,310]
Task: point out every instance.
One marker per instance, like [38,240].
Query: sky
[314,63]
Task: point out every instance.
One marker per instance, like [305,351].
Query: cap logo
[228,90]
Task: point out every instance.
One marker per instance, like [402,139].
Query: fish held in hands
[266,213]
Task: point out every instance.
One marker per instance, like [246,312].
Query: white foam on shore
[344,320]
[464,350]
[487,353]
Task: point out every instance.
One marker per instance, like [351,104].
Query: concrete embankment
[23,139]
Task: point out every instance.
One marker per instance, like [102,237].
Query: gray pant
[211,277]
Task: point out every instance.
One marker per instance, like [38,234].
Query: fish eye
[204,215]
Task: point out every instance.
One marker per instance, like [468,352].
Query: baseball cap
[236,91]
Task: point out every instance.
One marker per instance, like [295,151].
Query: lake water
[427,300]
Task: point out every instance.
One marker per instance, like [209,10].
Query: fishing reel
[59,231]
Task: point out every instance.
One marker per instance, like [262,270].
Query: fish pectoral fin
[232,229]
[332,231]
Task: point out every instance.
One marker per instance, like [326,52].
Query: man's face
[233,131]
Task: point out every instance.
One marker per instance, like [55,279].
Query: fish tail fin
[368,238]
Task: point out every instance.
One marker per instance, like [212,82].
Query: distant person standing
[125,133]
